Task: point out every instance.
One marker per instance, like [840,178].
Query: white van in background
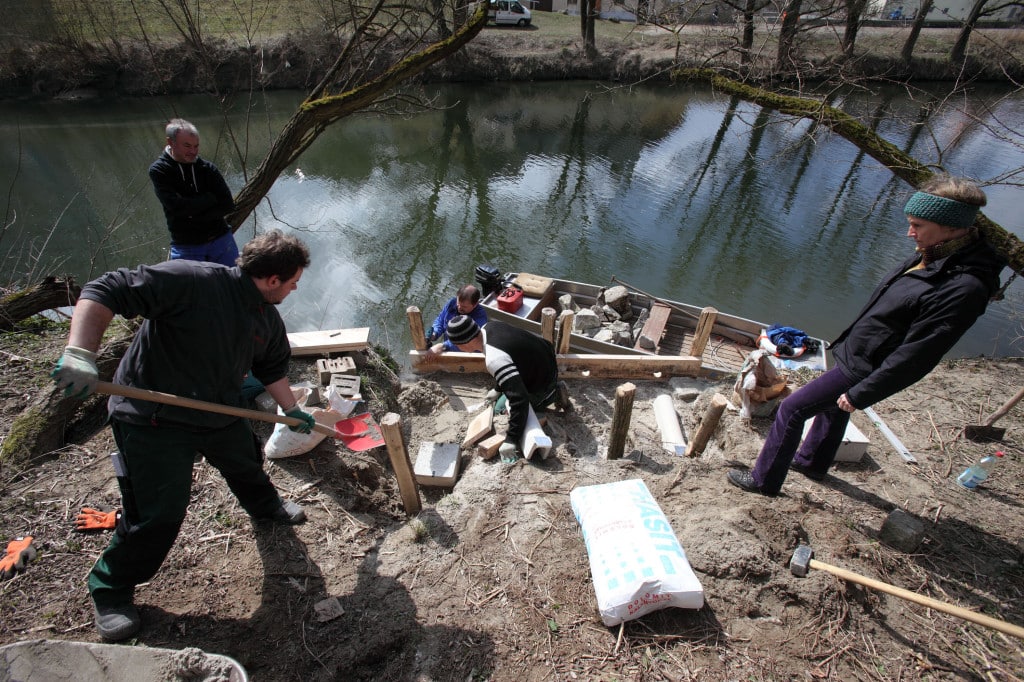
[509,12]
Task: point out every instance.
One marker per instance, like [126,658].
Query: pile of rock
[610,319]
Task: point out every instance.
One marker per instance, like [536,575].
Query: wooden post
[565,330]
[419,337]
[707,425]
[703,332]
[547,324]
[391,428]
[620,419]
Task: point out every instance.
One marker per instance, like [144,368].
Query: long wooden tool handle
[951,609]
[171,399]
[1007,406]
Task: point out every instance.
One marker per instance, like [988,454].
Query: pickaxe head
[801,560]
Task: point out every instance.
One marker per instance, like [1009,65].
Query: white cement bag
[636,562]
[284,442]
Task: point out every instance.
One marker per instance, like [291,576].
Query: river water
[679,191]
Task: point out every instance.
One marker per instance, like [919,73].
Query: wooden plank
[573,365]
[482,425]
[328,341]
[654,327]
[594,366]
[457,363]
[488,447]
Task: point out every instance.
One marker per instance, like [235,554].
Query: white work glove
[492,396]
[76,372]
[509,453]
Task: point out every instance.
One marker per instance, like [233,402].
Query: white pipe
[890,436]
[534,440]
[668,423]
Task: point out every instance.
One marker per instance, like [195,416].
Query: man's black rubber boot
[115,623]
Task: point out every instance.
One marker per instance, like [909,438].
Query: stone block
[902,531]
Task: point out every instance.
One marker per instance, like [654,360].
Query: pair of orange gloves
[20,550]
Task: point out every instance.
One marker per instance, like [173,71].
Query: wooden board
[328,341]
[654,327]
[482,425]
[488,447]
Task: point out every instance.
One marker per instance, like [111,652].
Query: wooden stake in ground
[391,428]
[620,419]
[547,325]
[419,337]
[707,425]
[565,321]
[703,331]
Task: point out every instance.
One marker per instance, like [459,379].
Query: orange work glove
[94,519]
[19,552]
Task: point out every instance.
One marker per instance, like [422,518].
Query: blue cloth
[450,310]
[791,336]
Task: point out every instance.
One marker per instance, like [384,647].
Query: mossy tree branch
[320,110]
[902,165]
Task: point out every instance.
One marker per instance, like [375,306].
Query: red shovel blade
[359,433]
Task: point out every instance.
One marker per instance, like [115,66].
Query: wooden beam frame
[574,365]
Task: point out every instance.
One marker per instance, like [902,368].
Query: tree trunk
[854,11]
[787,34]
[587,14]
[442,26]
[960,47]
[907,53]
[52,292]
[747,41]
[898,162]
[52,420]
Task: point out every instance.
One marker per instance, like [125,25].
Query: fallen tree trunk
[52,292]
[52,420]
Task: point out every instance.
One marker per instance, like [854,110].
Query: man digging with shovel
[206,325]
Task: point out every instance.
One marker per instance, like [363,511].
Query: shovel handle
[1007,406]
[170,399]
[935,604]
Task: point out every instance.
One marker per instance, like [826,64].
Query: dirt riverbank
[492,582]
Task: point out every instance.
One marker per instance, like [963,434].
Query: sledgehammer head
[801,560]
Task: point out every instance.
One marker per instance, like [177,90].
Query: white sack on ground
[636,562]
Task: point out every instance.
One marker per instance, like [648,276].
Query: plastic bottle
[976,473]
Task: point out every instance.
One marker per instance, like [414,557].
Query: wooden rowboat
[659,326]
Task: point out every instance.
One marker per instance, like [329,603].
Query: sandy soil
[491,580]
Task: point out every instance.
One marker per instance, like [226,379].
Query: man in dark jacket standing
[194,197]
[917,313]
[205,327]
[524,366]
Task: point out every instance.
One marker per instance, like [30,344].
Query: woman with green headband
[917,313]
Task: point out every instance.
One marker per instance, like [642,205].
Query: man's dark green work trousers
[156,484]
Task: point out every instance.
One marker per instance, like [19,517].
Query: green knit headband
[948,212]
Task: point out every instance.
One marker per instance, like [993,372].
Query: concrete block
[902,531]
[437,464]
[345,384]
[328,366]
